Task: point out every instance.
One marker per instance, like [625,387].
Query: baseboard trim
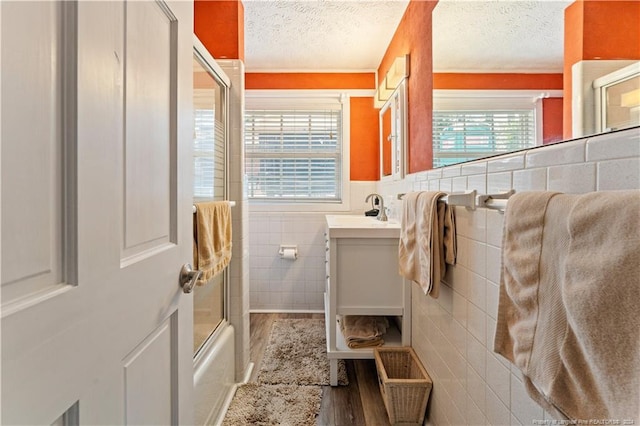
[232,393]
[225,406]
[247,372]
[286,311]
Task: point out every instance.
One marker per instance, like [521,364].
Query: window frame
[289,99]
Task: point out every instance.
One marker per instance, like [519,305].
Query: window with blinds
[208,156]
[210,107]
[468,135]
[293,155]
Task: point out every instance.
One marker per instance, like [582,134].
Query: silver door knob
[188,277]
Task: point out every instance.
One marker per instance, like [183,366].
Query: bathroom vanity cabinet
[362,279]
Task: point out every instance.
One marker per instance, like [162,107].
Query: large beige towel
[427,240]
[569,306]
[212,238]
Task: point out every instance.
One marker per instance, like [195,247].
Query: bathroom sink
[355,226]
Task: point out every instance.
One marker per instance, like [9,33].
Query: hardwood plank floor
[357,404]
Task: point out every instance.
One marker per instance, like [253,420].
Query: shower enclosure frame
[220,78]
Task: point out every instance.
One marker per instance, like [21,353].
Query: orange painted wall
[612,30]
[219,24]
[506,81]
[597,29]
[364,80]
[413,36]
[552,120]
[364,149]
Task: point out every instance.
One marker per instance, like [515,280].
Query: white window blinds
[210,108]
[208,155]
[468,135]
[293,155]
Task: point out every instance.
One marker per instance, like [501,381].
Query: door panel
[32,255]
[117,344]
[150,131]
[148,371]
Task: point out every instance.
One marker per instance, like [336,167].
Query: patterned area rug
[255,404]
[296,354]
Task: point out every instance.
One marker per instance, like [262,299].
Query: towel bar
[465,199]
[471,200]
[231,204]
[495,201]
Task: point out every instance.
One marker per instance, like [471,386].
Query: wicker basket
[404,384]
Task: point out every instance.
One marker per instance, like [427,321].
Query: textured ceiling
[352,35]
[318,35]
[499,35]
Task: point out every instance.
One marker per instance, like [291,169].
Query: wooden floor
[357,404]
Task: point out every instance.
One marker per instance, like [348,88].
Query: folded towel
[361,331]
[427,240]
[358,344]
[212,238]
[569,301]
[364,327]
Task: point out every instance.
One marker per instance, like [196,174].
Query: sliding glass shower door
[210,106]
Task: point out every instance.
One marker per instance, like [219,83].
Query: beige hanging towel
[427,240]
[212,238]
[569,302]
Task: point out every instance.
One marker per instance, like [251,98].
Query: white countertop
[360,226]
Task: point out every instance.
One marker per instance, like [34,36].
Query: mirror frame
[397,105]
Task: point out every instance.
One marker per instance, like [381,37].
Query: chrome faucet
[382,215]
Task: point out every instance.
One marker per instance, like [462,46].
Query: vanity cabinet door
[367,273]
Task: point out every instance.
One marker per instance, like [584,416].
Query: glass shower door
[210,106]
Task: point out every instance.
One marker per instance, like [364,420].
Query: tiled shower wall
[453,335]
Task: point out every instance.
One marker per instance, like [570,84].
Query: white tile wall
[618,174]
[280,284]
[572,178]
[506,162]
[563,153]
[612,146]
[453,335]
[286,285]
[530,179]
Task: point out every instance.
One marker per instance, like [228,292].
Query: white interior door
[96,212]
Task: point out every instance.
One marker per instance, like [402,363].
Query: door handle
[188,277]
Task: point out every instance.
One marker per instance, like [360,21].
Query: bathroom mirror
[393,131]
[513,37]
